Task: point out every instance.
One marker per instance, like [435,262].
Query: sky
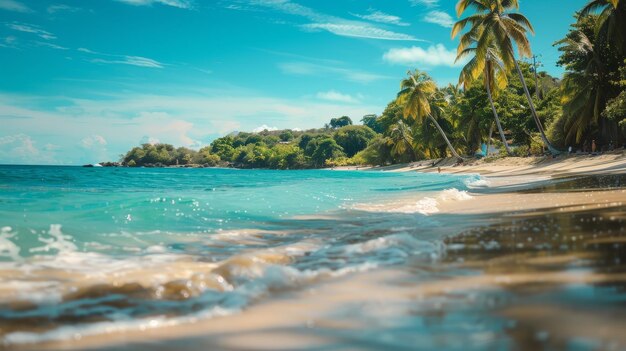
[84,81]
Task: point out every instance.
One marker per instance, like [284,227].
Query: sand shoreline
[563,165]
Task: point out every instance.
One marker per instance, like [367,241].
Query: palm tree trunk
[443,134]
[495,114]
[545,140]
[408,144]
[489,142]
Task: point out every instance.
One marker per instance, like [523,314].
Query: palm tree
[611,25]
[416,96]
[585,93]
[497,27]
[493,71]
[401,140]
[443,113]
[489,143]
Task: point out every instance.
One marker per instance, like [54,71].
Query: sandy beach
[519,250]
[537,166]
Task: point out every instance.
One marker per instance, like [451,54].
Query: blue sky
[83,81]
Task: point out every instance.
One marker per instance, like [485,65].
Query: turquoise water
[91,203]
[83,248]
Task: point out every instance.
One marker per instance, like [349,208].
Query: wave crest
[426,205]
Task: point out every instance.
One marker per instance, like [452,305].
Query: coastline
[307,318]
[564,165]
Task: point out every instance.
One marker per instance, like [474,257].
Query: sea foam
[426,205]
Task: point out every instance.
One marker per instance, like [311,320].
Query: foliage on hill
[284,149]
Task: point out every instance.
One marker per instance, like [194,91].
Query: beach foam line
[7,247]
[72,284]
[477,182]
[426,205]
[271,278]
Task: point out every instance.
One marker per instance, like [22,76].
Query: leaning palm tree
[611,25]
[489,142]
[493,71]
[493,20]
[416,96]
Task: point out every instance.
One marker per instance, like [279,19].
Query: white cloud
[321,21]
[21,149]
[179,130]
[381,17]
[19,143]
[313,69]
[149,140]
[162,126]
[92,141]
[29,28]
[429,3]
[435,16]
[291,8]
[62,8]
[439,17]
[359,31]
[333,95]
[8,42]
[50,45]
[264,127]
[122,59]
[132,61]
[51,147]
[94,149]
[12,5]
[183,4]
[434,55]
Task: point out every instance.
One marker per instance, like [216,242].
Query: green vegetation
[285,149]
[167,155]
[590,82]
[496,91]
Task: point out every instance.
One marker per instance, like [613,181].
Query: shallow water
[85,251]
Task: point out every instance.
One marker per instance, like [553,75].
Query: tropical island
[492,216]
[501,107]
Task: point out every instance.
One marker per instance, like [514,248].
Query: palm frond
[518,34]
[463,5]
[510,4]
[522,21]
[463,54]
[593,6]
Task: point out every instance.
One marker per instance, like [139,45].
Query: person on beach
[593,146]
[439,169]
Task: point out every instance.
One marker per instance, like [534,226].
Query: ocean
[85,251]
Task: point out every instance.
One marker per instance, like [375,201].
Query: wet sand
[533,261]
